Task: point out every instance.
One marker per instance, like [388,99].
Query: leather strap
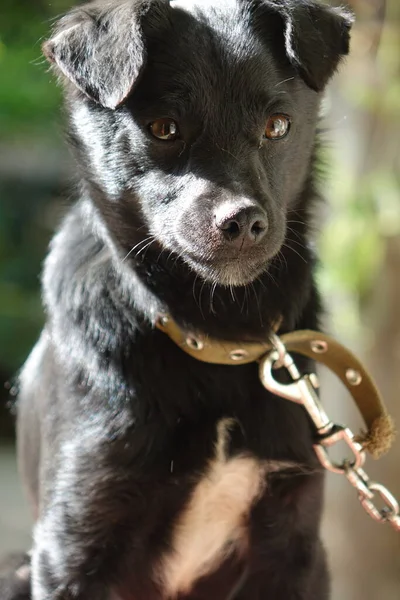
[316,345]
[210,350]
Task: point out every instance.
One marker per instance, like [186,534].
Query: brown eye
[165,129]
[277,127]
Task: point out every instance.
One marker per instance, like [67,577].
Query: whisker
[271,277]
[145,248]
[282,259]
[151,237]
[260,281]
[244,300]
[297,210]
[200,295]
[178,257]
[232,292]
[212,294]
[298,243]
[290,222]
[160,255]
[258,304]
[295,251]
[194,291]
[170,255]
[284,81]
[296,233]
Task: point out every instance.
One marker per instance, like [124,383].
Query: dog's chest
[213,524]
[216,473]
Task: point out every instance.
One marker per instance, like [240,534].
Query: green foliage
[365,195]
[28,97]
[29,101]
[352,244]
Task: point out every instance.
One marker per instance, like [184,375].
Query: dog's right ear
[100,47]
[316,36]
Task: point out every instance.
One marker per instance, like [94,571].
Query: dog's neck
[249,311]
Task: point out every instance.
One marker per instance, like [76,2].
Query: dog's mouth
[227,269]
[236,271]
[229,266]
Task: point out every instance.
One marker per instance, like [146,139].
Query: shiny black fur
[116,423]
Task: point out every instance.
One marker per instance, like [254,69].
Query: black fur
[116,423]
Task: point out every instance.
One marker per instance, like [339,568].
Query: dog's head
[196,120]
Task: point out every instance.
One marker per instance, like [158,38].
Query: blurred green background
[359,242]
[34,170]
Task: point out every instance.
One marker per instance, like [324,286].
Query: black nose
[243,226]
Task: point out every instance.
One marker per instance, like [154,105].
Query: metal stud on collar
[353,377]
[194,343]
[238,355]
[319,346]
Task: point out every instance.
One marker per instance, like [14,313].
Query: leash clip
[303,390]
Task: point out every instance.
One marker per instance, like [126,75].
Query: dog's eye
[165,129]
[277,127]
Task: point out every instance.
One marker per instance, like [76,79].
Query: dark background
[359,244]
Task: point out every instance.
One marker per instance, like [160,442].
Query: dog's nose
[244,226]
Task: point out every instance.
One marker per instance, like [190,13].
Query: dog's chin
[230,273]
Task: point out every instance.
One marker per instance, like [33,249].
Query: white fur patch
[214,522]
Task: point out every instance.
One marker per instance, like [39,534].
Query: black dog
[153,475]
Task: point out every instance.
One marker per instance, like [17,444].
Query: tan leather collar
[380,428]
[211,350]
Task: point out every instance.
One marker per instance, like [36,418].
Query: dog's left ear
[316,36]
[100,47]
